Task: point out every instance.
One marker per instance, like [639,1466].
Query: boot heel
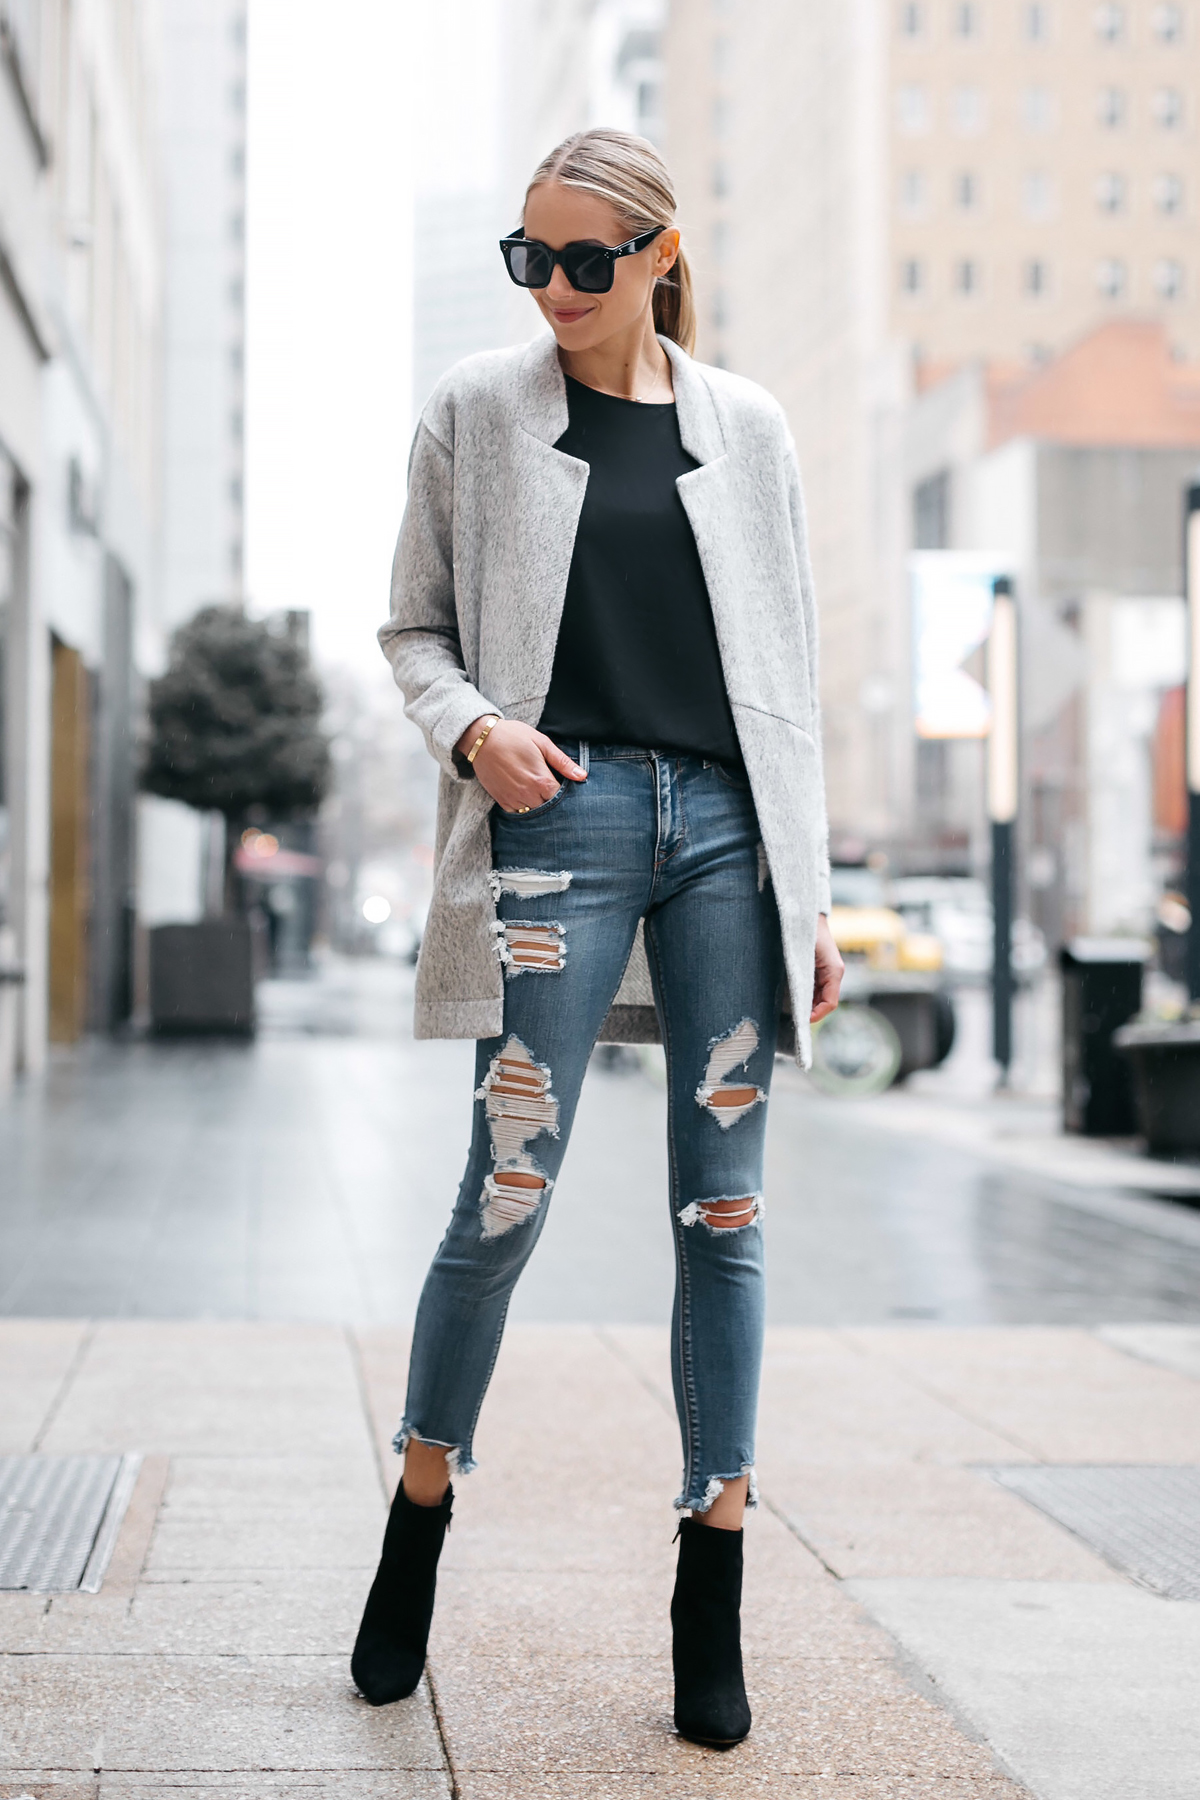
[711,1707]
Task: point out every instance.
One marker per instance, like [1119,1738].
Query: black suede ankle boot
[389,1654]
[710,1695]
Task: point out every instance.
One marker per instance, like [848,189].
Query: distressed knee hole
[724,1213]
[528,883]
[530,946]
[519,1104]
[512,1195]
[729,1101]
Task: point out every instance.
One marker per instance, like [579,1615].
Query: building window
[1167,107]
[1167,22]
[966,20]
[1110,278]
[1037,193]
[720,242]
[912,110]
[720,180]
[1110,192]
[235,490]
[236,424]
[1037,109]
[235,557]
[968,110]
[912,276]
[720,309]
[1109,22]
[1110,108]
[912,21]
[966,190]
[967,276]
[720,115]
[1168,194]
[1035,278]
[1037,24]
[722,54]
[913,191]
[1168,279]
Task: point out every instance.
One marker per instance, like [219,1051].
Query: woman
[602,621]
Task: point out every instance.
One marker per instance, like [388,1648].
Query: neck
[631,364]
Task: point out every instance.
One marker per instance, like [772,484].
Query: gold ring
[522,809]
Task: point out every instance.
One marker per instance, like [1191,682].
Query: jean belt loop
[584,756]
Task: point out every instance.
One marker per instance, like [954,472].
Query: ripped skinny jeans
[672,840]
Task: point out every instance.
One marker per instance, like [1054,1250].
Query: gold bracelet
[477,746]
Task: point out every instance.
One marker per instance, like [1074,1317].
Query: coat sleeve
[421,636]
[809,605]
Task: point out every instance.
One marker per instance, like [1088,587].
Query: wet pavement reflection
[309,1175]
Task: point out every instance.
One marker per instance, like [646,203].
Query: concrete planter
[202,979]
[1165,1060]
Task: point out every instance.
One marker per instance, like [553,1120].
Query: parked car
[957,911]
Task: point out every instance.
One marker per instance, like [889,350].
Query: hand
[827,974]
[516,765]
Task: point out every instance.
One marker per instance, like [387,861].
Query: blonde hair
[631,176]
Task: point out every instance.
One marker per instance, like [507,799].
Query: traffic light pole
[1191,571]
[1002,790]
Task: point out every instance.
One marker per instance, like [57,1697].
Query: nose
[559,288]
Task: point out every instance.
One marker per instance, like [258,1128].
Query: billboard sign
[951,592]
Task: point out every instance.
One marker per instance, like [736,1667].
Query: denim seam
[674,782]
[691,1448]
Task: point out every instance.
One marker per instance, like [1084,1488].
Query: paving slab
[1173,1346]
[221,1389]
[311,1784]
[1088,1693]
[297,1512]
[926,1519]
[1058,1395]
[726,1778]
[35,1357]
[260,1612]
[238,1713]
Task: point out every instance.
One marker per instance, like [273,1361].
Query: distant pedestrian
[603,622]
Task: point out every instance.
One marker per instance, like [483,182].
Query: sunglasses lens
[528,264]
[589,271]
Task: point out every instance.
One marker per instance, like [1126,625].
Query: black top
[637,659]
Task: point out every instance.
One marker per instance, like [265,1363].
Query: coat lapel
[709,499]
[551,485]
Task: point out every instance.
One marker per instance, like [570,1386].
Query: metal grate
[1143,1519]
[59,1518]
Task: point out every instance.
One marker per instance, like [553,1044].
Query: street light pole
[1002,767]
[1191,576]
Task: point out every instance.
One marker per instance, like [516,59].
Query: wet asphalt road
[309,1176]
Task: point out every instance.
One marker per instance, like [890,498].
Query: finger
[822,1011]
[558,759]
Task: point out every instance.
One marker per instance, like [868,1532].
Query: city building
[80,338]
[1070,475]
[875,194]
[204,177]
[516,76]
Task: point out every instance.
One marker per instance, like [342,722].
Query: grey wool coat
[478,584]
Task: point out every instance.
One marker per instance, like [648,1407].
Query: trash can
[1166,1083]
[202,979]
[1102,989]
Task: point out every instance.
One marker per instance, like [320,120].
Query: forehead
[561,215]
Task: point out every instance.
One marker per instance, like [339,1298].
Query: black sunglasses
[588,267]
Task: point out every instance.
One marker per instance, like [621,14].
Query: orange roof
[1118,385]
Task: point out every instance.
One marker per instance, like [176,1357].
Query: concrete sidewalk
[912,1628]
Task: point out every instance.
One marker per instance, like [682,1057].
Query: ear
[668,251]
